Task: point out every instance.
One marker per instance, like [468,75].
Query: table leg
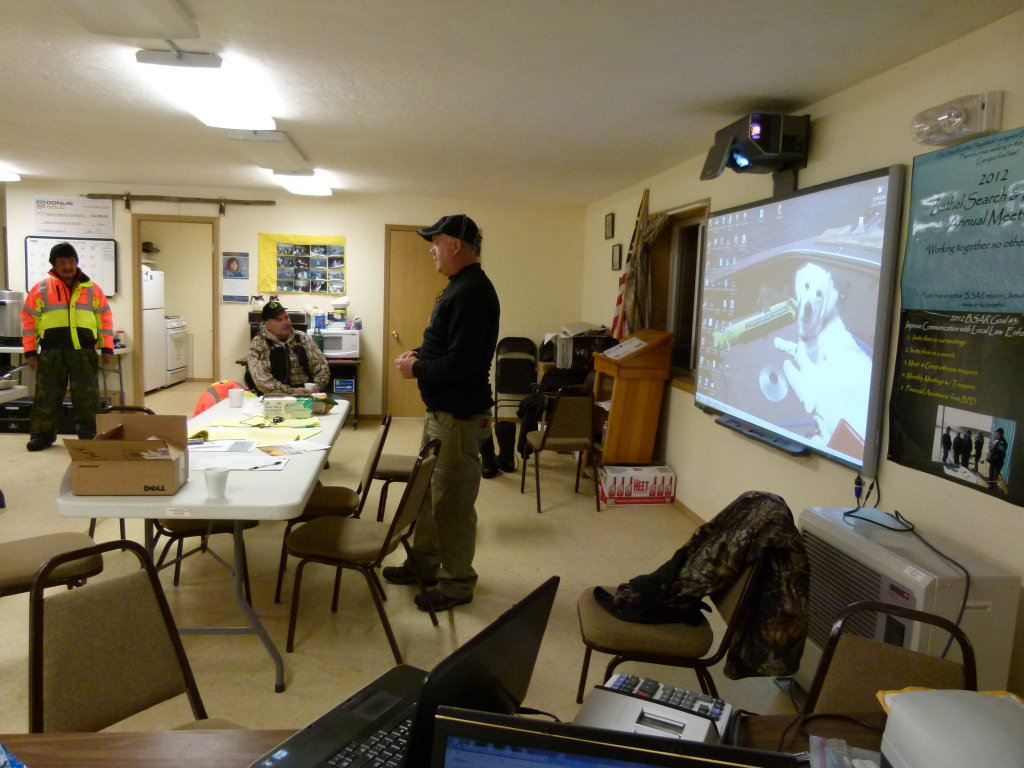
[254,622]
[255,626]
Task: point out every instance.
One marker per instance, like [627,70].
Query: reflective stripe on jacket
[55,317]
[213,394]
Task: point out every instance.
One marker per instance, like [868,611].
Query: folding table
[262,495]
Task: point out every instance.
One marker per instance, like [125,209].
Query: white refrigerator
[154,330]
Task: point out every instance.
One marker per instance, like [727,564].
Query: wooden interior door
[411,284]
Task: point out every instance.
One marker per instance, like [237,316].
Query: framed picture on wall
[609,226]
[616,257]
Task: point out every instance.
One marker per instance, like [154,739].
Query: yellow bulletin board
[302,264]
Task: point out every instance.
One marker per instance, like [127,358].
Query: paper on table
[230,446]
[256,461]
[298,446]
[262,422]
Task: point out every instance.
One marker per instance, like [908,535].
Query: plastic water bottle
[318,338]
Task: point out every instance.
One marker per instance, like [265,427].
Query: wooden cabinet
[634,383]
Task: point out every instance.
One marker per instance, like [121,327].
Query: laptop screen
[491,672]
[464,739]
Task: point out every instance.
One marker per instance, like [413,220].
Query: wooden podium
[634,382]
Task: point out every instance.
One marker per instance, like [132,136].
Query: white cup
[216,482]
[310,386]
[235,397]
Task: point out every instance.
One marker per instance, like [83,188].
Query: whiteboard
[96,257]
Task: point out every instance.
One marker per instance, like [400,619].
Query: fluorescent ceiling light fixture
[273,150]
[218,92]
[147,19]
[6,175]
[312,183]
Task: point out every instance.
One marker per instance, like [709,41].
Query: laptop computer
[465,739]
[393,717]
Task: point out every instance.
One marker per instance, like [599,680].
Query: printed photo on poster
[972,447]
[235,278]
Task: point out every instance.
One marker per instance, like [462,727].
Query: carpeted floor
[336,654]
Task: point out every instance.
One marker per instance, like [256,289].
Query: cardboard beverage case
[288,407]
[134,454]
[637,485]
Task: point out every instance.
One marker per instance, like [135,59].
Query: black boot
[505,431]
[488,465]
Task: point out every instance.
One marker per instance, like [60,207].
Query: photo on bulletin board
[301,264]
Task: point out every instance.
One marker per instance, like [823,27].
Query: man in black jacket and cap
[452,369]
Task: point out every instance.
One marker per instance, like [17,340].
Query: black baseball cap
[272,309]
[459,226]
[63,251]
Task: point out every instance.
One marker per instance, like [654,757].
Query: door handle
[394,335]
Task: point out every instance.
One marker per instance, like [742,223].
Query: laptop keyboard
[384,748]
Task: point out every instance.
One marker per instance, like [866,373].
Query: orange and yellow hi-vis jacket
[56,317]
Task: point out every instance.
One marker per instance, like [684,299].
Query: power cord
[531,711]
[905,526]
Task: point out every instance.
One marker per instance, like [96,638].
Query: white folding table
[255,495]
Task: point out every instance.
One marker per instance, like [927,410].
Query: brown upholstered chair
[675,645]
[336,500]
[392,468]
[21,559]
[570,428]
[362,545]
[853,668]
[104,651]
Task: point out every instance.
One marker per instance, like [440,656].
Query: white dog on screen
[830,373]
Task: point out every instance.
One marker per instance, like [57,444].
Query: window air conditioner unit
[853,560]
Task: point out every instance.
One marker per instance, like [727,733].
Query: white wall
[860,129]
[532,252]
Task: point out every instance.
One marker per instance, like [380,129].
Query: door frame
[385,363]
[138,350]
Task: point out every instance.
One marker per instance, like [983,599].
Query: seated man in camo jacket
[281,360]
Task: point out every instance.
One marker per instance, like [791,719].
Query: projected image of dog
[830,372]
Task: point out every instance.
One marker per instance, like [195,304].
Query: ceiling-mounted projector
[761,142]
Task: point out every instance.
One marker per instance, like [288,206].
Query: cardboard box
[288,407]
[134,454]
[637,485]
[344,386]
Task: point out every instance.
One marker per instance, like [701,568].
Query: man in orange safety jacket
[65,318]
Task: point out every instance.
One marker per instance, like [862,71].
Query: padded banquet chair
[854,666]
[392,468]
[674,645]
[362,545]
[570,428]
[21,559]
[105,651]
[336,500]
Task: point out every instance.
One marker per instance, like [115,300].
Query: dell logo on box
[153,488]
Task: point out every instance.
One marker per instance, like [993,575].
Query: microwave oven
[340,344]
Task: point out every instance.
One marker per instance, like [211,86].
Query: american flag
[620,323]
